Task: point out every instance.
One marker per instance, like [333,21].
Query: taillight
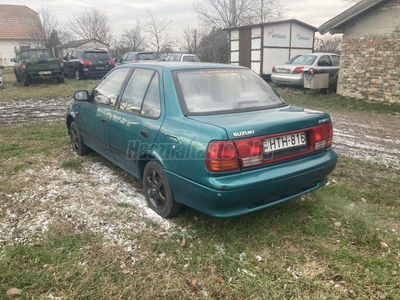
[273,69]
[136,61]
[86,62]
[298,70]
[323,136]
[221,157]
[250,151]
[23,65]
[62,63]
[111,62]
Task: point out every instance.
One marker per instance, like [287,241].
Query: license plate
[283,70]
[44,72]
[99,68]
[284,142]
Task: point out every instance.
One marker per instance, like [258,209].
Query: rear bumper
[290,79]
[87,73]
[249,191]
[54,74]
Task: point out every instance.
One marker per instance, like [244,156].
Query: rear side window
[214,91]
[106,92]
[152,105]
[136,89]
[336,60]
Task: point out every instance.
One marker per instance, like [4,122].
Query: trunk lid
[265,122]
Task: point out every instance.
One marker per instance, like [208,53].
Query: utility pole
[195,41]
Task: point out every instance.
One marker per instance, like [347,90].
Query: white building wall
[8,48]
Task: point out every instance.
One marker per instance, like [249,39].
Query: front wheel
[158,192]
[77,143]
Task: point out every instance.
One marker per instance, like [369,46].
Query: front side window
[106,92]
[136,89]
[214,91]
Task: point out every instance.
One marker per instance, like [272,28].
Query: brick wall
[370,65]
[370,69]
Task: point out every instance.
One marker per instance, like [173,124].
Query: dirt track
[365,136]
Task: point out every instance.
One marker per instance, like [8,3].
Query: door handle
[104,120]
[144,133]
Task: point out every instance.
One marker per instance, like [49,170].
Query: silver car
[1,78]
[292,72]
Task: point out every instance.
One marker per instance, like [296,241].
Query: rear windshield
[146,56]
[304,60]
[36,53]
[97,56]
[214,91]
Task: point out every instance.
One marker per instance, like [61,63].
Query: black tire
[77,143]
[60,80]
[25,81]
[77,74]
[158,192]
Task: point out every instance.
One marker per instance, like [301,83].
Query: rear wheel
[77,75]
[158,192]
[77,143]
[24,80]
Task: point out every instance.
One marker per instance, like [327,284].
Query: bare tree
[132,38]
[91,24]
[232,13]
[189,40]
[331,44]
[261,11]
[157,29]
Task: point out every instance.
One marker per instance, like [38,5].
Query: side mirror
[81,95]
[13,60]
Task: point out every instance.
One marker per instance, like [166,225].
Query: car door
[137,120]
[325,64]
[97,112]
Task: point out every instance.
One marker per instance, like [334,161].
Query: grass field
[339,242]
[46,89]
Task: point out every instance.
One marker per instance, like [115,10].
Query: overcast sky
[124,13]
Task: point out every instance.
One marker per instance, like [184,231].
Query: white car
[292,72]
[183,57]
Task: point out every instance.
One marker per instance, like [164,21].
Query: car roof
[319,54]
[181,65]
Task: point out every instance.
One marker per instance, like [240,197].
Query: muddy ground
[110,202]
[365,136]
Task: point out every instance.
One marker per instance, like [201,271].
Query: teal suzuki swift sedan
[214,137]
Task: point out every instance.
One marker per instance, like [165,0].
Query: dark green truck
[31,64]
